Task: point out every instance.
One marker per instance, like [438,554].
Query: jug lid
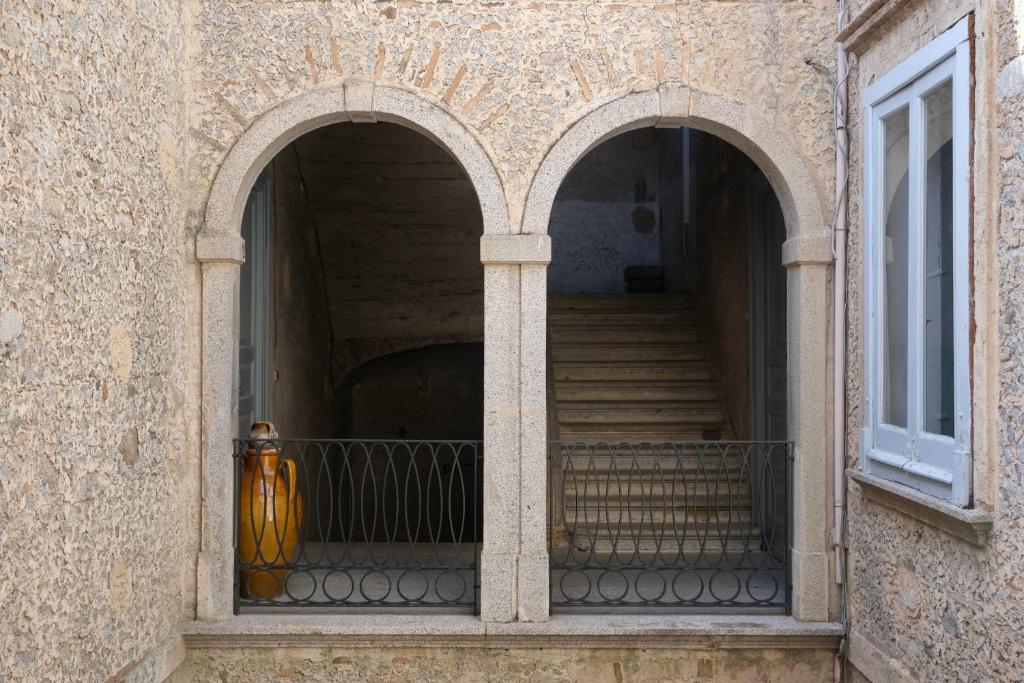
[262,431]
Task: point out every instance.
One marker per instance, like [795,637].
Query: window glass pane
[895,188]
[938,285]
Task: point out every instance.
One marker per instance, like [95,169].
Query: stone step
[629,370]
[640,394]
[666,406]
[693,545]
[619,319]
[582,303]
[651,462]
[633,372]
[593,434]
[628,418]
[609,522]
[623,335]
[582,353]
[624,496]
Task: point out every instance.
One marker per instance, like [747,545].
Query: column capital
[807,249]
[220,246]
[528,248]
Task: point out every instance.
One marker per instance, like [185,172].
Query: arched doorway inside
[667,373]
[361,340]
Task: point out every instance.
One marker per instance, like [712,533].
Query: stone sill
[862,28]
[696,632]
[972,526]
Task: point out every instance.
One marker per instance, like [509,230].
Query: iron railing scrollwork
[692,526]
[358,523]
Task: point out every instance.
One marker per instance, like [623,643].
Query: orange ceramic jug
[270,515]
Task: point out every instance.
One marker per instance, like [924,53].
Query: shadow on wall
[605,216]
[436,392]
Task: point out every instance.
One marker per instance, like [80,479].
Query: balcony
[686,527]
[383,525]
[358,524]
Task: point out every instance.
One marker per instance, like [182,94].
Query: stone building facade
[131,135]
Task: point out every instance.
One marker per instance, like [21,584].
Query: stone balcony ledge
[696,632]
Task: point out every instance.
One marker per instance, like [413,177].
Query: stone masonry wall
[517,73]
[113,113]
[932,605]
[98,294]
[563,664]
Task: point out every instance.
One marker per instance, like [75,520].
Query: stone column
[534,570]
[501,442]
[221,256]
[808,400]
[514,563]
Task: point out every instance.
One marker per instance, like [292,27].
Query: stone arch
[220,250]
[353,100]
[673,106]
[806,254]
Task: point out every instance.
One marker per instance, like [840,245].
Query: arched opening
[668,378]
[361,340]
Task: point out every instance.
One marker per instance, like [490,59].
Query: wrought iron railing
[357,523]
[690,526]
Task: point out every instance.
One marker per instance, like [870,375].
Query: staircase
[633,371]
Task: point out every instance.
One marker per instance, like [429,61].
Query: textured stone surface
[457,72]
[518,91]
[474,664]
[116,120]
[923,603]
[98,380]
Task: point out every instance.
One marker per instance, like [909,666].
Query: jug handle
[293,477]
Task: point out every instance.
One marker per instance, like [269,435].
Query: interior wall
[300,392]
[675,257]
[430,393]
[399,227]
[722,286]
[606,216]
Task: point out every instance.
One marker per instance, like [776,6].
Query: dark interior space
[684,214]
[362,319]
[375,299]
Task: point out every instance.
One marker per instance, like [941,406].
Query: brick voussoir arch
[353,100]
[674,105]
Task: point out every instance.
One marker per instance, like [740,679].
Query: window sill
[562,631]
[972,526]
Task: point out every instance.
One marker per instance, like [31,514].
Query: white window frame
[934,464]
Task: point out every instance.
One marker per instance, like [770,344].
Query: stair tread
[629,373]
[638,437]
[650,405]
[610,406]
[634,370]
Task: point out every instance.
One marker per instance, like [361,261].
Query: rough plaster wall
[300,394]
[399,227]
[946,610]
[518,90]
[605,216]
[98,479]
[722,287]
[473,664]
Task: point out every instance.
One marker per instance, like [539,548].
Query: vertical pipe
[839,236]
[839,290]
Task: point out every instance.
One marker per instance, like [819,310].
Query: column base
[534,587]
[498,586]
